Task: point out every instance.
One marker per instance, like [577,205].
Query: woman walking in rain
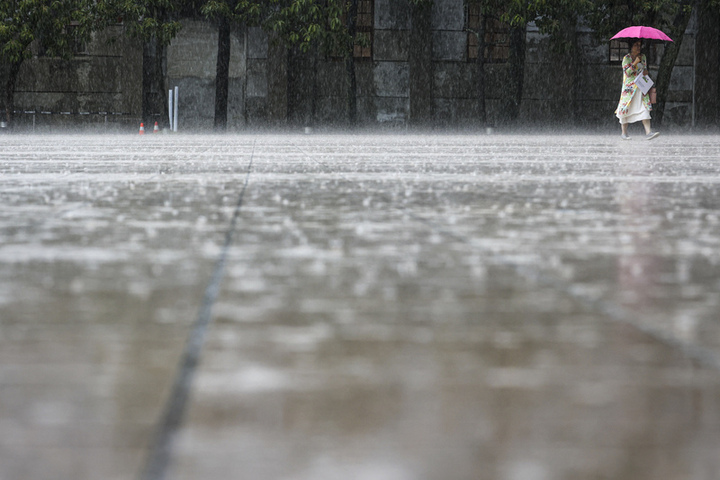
[634,105]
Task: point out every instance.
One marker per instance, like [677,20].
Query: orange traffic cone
[142,129]
[156,129]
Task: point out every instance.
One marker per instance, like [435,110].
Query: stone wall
[419,76]
[191,66]
[101,87]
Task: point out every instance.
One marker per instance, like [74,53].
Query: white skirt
[636,110]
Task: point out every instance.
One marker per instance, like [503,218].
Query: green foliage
[421,3]
[514,12]
[551,16]
[56,24]
[296,23]
[216,9]
[607,17]
[144,19]
[558,20]
[555,18]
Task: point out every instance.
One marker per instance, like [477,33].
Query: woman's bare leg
[646,124]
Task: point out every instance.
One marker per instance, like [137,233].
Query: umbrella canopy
[638,31]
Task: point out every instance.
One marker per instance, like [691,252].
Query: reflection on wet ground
[388,307]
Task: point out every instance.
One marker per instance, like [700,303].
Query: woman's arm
[627,64]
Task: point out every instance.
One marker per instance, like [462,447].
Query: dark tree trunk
[278,83]
[350,65]
[571,70]
[480,62]
[516,71]
[154,96]
[351,90]
[668,63]
[222,76]
[707,86]
[421,65]
[147,80]
[299,87]
[314,99]
[8,98]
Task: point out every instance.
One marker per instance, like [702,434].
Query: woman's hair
[633,41]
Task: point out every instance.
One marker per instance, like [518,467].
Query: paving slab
[270,306]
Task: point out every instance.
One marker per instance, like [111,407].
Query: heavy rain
[441,279]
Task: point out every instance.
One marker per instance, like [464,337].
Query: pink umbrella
[641,32]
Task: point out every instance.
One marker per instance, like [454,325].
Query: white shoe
[651,135]
[625,136]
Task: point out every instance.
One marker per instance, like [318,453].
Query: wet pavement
[381,307]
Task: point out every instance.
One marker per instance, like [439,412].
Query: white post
[694,79]
[175,117]
[170,108]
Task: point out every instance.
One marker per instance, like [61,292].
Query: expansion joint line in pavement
[160,450]
[612,311]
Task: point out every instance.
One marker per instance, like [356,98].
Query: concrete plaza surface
[381,307]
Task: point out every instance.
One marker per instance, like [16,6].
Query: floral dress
[630,74]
